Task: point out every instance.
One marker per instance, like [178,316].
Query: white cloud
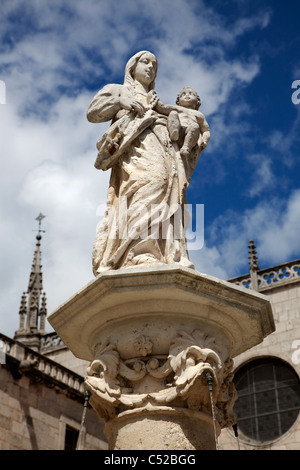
[48,167]
[280,238]
[261,176]
[284,142]
[273,225]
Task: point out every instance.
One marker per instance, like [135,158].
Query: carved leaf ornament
[118,384]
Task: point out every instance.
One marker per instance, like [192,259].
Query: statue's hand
[131,104]
[153,98]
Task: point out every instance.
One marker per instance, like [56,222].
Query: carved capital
[178,379]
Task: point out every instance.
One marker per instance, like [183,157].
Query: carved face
[188,98]
[145,70]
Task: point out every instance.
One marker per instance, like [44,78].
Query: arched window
[268,398]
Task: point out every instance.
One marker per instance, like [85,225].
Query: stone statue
[160,340]
[151,165]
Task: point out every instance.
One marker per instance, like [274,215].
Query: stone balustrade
[275,276]
[51,341]
[35,363]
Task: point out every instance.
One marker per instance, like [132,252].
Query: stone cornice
[102,302]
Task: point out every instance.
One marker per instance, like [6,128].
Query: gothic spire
[43,312]
[35,308]
[23,311]
[35,287]
[253,263]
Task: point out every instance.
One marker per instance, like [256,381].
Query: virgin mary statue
[144,222]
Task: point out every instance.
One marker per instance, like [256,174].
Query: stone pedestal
[161,428]
[156,338]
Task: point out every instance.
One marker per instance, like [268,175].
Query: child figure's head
[188,98]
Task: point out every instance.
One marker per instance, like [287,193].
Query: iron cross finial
[40,217]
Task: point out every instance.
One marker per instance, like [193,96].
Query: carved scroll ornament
[178,379]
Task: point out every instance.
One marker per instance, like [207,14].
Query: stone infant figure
[186,117]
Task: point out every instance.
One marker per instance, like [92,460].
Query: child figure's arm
[165,108]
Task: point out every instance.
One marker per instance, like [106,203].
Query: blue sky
[241,56]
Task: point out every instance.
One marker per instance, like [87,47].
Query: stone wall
[35,412]
[281,344]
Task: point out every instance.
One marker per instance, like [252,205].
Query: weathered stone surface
[152,336]
[116,301]
[164,429]
[151,165]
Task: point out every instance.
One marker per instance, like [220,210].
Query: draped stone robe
[143,223]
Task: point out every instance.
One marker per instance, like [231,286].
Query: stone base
[161,428]
[161,342]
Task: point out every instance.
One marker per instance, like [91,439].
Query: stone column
[160,342]
[161,428]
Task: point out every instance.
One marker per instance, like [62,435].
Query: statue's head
[131,66]
[181,98]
